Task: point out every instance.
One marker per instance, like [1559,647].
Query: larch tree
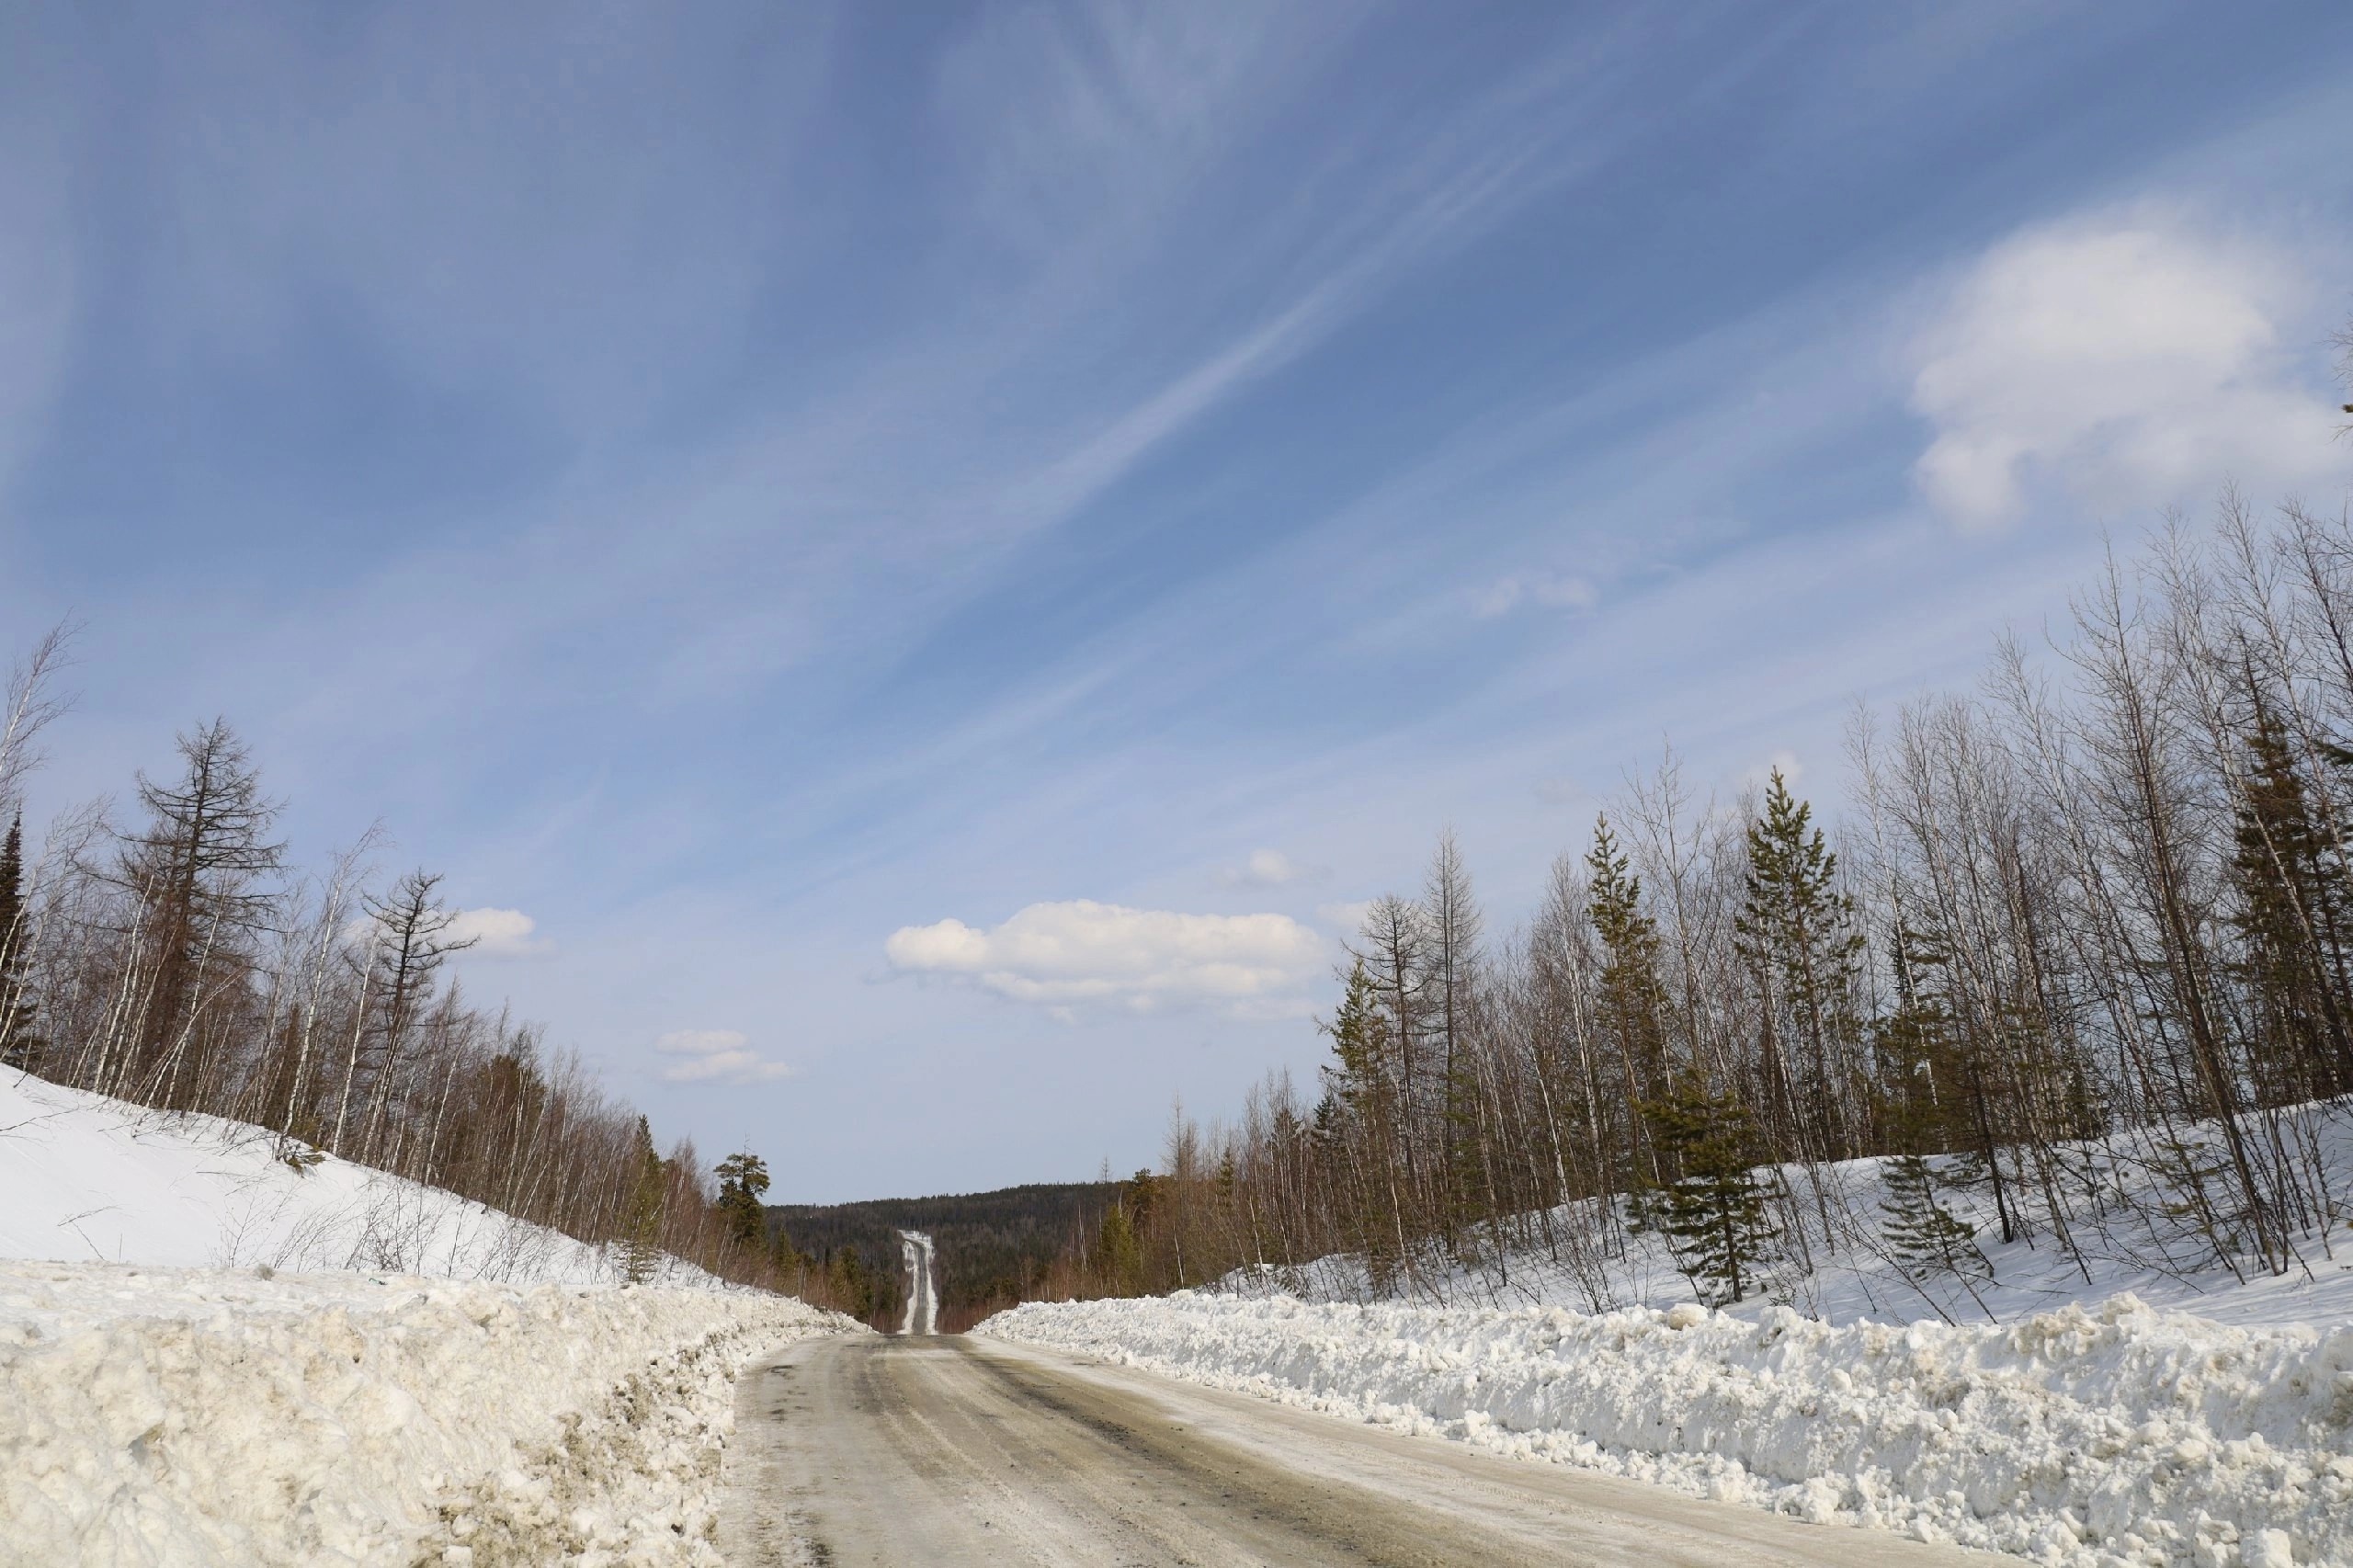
[198,873]
[409,941]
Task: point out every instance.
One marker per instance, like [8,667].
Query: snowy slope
[2124,1243]
[2082,1438]
[87,1178]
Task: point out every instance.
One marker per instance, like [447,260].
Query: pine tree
[1925,1237]
[742,1178]
[1716,1213]
[19,1046]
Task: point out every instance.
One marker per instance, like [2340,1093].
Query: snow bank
[89,1178]
[167,1416]
[2081,1438]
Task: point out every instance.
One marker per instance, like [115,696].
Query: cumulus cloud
[1084,952]
[2123,362]
[499,934]
[1542,590]
[716,1056]
[1264,869]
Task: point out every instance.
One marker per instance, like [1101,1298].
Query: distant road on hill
[990,1247]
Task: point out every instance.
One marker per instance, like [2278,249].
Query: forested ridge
[2081,945]
[172,957]
[992,1248]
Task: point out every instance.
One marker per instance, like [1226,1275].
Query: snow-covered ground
[2128,1233]
[87,1178]
[447,1383]
[2132,1399]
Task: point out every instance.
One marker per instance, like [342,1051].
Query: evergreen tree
[1925,1237]
[1356,1125]
[742,1180]
[1797,931]
[1633,1003]
[2295,916]
[1120,1252]
[641,1222]
[19,1046]
[1716,1213]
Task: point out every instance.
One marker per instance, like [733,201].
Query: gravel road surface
[934,1451]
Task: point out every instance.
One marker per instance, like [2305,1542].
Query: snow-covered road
[923,1295]
[956,1450]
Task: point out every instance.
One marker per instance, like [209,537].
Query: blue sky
[911,563]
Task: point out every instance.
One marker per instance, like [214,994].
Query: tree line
[2082,947]
[991,1249]
[174,959]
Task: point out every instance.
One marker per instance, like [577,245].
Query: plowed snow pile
[203,1416]
[2108,1435]
[217,1414]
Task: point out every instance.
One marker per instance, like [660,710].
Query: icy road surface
[950,1450]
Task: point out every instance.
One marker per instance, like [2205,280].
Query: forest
[2080,943]
[993,1248]
[173,958]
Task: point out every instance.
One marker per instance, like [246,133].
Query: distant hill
[993,1247]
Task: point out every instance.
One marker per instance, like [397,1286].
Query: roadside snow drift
[166,1416]
[2082,1437]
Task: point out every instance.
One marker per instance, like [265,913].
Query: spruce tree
[1796,930]
[2294,917]
[1716,1213]
[1633,1001]
[19,1046]
[1924,1237]
[641,1222]
[1359,1117]
[1120,1252]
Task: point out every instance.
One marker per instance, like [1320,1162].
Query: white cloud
[498,934]
[1264,869]
[1346,918]
[1783,762]
[1082,951]
[721,1056]
[2126,362]
[1543,590]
